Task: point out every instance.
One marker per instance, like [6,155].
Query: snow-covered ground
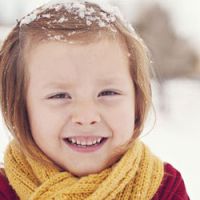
[175,137]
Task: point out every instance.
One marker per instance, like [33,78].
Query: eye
[60,96]
[109,93]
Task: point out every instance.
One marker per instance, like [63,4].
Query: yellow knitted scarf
[136,176]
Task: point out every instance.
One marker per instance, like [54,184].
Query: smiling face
[80,94]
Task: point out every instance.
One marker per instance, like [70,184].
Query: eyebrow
[64,85]
[57,84]
[110,80]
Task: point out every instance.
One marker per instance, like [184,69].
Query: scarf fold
[136,176]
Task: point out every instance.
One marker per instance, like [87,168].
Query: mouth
[85,146]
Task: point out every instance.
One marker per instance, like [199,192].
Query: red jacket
[171,188]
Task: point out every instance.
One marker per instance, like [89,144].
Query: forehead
[53,60]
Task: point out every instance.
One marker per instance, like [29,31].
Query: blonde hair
[14,76]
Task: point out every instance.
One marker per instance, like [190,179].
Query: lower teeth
[84,146]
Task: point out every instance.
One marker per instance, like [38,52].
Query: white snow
[108,14]
[176,135]
[75,7]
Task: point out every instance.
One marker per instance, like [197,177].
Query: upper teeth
[85,142]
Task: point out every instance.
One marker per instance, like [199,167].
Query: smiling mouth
[86,147]
[78,143]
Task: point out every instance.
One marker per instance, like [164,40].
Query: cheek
[122,121]
[44,122]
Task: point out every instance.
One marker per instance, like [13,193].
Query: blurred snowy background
[171,30]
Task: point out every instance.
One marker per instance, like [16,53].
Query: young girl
[75,93]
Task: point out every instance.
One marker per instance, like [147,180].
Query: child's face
[80,92]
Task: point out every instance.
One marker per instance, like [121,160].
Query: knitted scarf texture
[136,176]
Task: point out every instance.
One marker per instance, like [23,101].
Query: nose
[85,113]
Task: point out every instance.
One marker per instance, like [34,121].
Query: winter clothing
[6,191]
[172,186]
[138,175]
[131,176]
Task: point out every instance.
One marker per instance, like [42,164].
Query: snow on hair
[78,7]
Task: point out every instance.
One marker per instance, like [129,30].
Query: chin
[85,172]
